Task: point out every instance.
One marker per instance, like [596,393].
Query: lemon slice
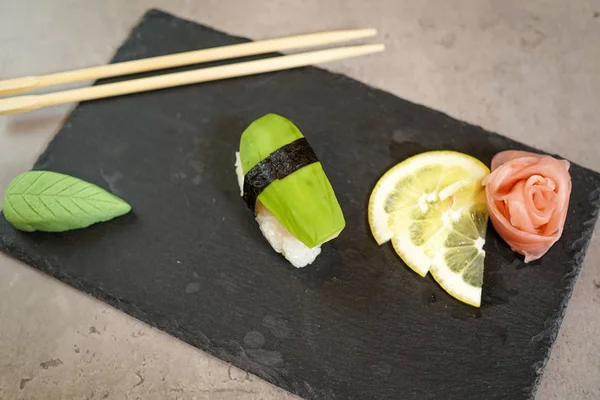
[458,266]
[432,207]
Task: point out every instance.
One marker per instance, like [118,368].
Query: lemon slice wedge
[432,208]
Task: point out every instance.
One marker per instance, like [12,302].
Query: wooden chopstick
[18,104]
[24,84]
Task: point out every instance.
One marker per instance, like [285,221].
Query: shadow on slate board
[357,324]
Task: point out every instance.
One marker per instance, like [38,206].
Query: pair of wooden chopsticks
[18,104]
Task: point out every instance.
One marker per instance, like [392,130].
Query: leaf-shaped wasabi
[52,202]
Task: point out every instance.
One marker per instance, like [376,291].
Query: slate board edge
[205,344]
[551,332]
[124,306]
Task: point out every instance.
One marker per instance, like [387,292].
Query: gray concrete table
[527,69]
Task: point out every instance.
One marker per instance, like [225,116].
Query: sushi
[284,184]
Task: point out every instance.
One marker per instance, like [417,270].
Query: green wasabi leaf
[304,202]
[53,202]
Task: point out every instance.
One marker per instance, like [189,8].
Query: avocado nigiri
[285,185]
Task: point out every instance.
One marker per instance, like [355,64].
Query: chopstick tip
[375,48]
[355,33]
[370,32]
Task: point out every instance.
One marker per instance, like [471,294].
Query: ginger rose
[528,197]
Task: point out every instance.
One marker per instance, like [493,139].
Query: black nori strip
[282,162]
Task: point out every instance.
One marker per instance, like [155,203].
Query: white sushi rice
[278,237]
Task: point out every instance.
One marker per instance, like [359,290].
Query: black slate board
[357,324]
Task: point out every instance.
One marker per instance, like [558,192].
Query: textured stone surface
[528,71]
